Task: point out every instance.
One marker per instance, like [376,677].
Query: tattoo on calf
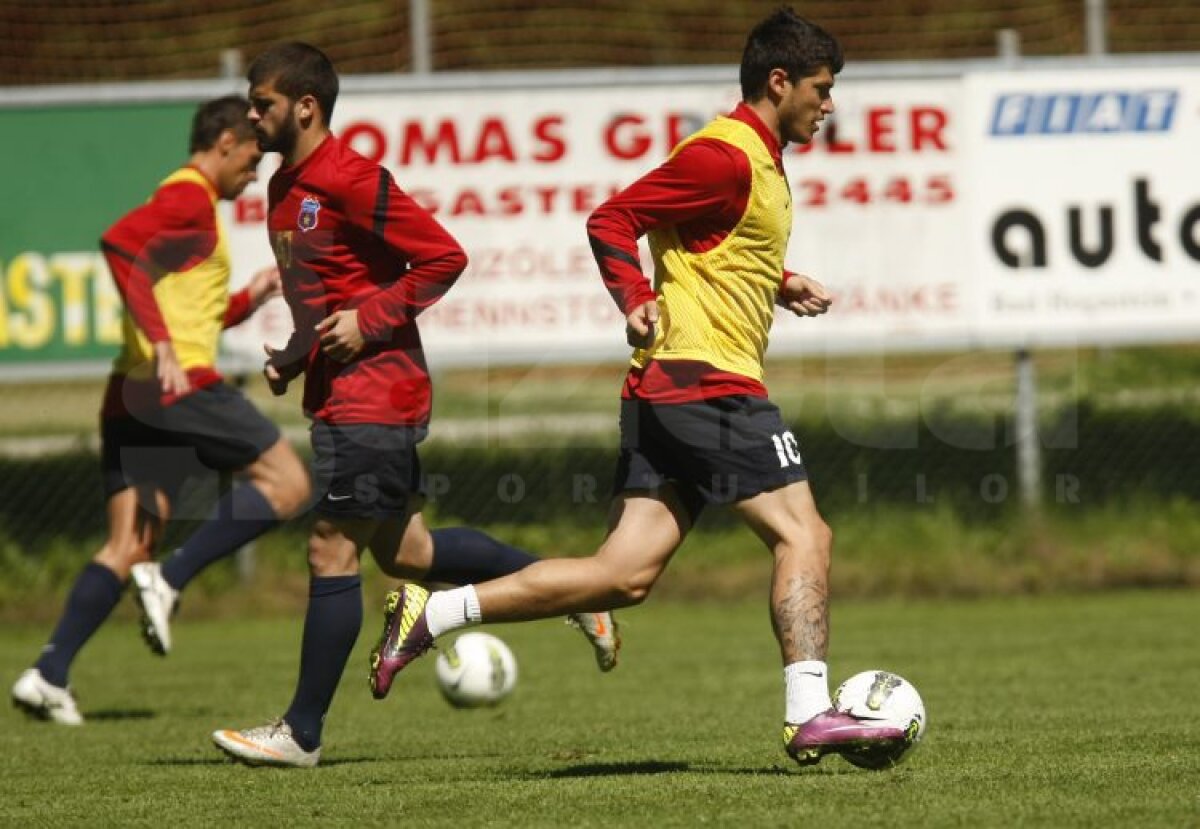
[802,618]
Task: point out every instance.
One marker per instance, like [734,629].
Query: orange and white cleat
[267,745]
[601,630]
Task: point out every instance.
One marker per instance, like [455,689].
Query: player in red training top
[359,261]
[696,425]
[167,414]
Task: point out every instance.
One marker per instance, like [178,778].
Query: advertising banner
[998,209]
[1085,201]
[514,174]
[69,172]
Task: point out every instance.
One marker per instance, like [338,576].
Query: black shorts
[717,451]
[365,470]
[214,429]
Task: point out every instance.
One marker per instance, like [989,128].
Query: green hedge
[1092,459]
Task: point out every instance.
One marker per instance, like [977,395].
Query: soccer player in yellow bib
[697,427]
[167,413]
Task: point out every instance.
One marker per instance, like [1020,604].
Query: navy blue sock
[331,626]
[462,555]
[241,516]
[91,600]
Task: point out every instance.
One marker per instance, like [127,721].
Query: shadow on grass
[180,762]
[119,714]
[661,767]
[220,760]
[770,771]
[615,769]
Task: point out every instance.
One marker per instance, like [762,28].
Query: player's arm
[283,365]
[434,260]
[706,179]
[173,231]
[264,285]
[281,368]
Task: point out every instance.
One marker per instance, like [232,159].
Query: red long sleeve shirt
[702,190]
[346,237]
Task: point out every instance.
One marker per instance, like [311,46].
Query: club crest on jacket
[307,220]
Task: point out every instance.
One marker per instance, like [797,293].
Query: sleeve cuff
[643,294]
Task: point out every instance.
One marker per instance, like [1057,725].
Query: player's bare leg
[331,625]
[136,519]
[787,520]
[282,478]
[277,489]
[334,547]
[403,547]
[409,550]
[644,532]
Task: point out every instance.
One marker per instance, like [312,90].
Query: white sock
[807,686]
[449,610]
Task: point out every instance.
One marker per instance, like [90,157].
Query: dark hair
[214,117]
[297,69]
[786,41]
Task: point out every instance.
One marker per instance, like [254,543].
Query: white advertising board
[1085,205]
[1055,205]
[1001,209]
[513,174]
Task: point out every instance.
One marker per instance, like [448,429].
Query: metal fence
[1115,428]
[1100,430]
[78,41]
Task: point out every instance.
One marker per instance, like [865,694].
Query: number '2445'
[935,189]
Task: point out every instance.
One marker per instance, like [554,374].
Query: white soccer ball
[888,699]
[476,671]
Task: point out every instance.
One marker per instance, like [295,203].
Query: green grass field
[1048,711]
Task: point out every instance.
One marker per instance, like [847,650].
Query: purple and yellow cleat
[405,636]
[832,732]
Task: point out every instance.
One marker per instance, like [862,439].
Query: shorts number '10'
[787,449]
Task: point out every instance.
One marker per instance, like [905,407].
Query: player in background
[167,414]
[696,425]
[359,261]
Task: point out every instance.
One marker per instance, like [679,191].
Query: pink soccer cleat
[405,636]
[835,731]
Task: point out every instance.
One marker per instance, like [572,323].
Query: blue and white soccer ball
[477,670]
[888,699]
